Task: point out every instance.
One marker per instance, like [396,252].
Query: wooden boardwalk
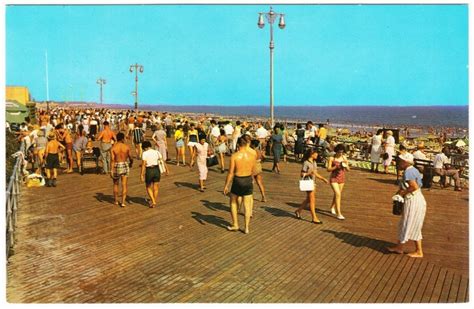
[75,246]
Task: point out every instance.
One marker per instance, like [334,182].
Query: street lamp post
[101,82]
[271,17]
[136,67]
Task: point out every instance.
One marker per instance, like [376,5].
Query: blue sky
[216,54]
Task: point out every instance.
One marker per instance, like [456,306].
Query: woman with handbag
[414,209]
[310,170]
[337,165]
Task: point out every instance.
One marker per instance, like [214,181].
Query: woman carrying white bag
[309,174]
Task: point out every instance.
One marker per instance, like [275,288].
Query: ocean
[388,116]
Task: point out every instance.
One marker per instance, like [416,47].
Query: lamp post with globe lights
[271,17]
[101,83]
[136,67]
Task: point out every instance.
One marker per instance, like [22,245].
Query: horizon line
[230,106]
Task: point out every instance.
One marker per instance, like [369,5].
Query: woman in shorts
[180,149]
[309,169]
[193,138]
[221,148]
[150,172]
[257,176]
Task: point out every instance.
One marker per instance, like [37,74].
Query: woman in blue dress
[277,139]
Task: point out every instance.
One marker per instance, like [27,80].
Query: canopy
[15,112]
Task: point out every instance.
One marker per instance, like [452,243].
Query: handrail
[12,199]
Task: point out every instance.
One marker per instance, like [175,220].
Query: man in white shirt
[439,162]
[215,132]
[419,154]
[262,135]
[229,129]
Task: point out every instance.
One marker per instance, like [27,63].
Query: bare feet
[232,228]
[297,214]
[246,231]
[415,255]
[264,199]
[396,250]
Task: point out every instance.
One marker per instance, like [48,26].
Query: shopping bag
[161,166]
[306,184]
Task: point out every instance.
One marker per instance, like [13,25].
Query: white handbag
[306,184]
[161,164]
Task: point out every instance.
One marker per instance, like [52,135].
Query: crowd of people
[65,135]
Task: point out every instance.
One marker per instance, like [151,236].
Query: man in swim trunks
[106,137]
[242,165]
[119,167]
[52,159]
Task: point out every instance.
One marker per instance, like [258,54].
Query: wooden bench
[426,168]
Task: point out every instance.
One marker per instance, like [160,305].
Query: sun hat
[51,135]
[407,157]
[389,132]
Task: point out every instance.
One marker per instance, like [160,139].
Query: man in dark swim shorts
[242,165]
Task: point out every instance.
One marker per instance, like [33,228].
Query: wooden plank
[446,288]
[410,285]
[436,292]
[415,295]
[463,294]
[455,285]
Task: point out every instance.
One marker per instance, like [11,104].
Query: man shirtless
[65,136]
[52,159]
[242,165]
[106,137]
[119,167]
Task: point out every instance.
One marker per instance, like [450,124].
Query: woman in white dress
[376,151]
[389,150]
[414,209]
[159,137]
[202,151]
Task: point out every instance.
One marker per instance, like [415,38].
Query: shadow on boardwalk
[215,206]
[361,241]
[101,197]
[210,219]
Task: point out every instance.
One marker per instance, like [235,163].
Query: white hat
[407,157]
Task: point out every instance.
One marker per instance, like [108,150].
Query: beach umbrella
[460,143]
